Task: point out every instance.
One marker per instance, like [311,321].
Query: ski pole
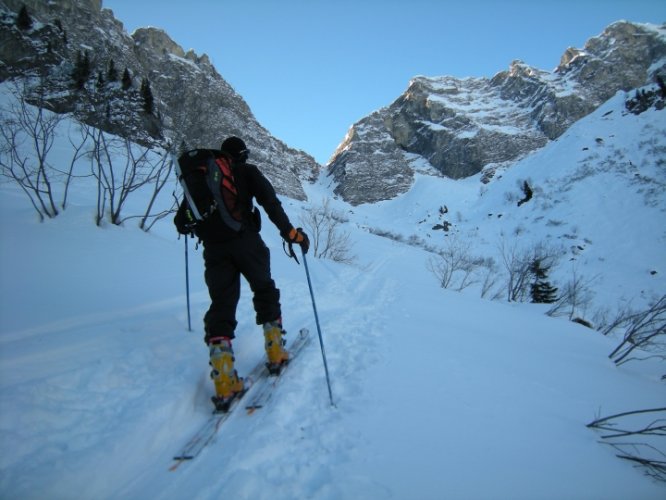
[187,287]
[321,340]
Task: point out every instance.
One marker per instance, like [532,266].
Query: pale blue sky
[309,69]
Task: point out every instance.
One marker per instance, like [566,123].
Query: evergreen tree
[112,73]
[82,70]
[541,291]
[100,81]
[127,79]
[24,21]
[147,94]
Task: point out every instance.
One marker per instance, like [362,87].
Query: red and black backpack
[209,185]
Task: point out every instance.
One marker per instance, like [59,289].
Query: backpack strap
[181,178]
[217,179]
[228,180]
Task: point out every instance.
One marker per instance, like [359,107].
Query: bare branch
[645,330]
[328,239]
[27,135]
[644,453]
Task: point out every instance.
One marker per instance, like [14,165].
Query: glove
[299,237]
[184,220]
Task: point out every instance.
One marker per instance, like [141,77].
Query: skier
[228,254]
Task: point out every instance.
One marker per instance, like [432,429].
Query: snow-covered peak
[461,126]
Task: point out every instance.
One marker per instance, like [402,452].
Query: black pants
[225,262]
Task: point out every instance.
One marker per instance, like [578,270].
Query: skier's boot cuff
[227,382]
[275,351]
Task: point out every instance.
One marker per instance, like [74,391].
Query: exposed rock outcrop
[194,106]
[461,126]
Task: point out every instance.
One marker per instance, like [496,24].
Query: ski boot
[227,383]
[275,351]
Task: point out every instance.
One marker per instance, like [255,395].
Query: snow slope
[599,201]
[438,394]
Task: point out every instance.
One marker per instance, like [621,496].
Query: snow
[184,60]
[438,394]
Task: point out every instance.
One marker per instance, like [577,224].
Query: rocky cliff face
[193,105]
[463,126]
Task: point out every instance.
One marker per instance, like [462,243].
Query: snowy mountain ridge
[464,126]
[191,104]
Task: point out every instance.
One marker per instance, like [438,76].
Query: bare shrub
[456,266]
[27,134]
[121,168]
[327,237]
[575,296]
[644,330]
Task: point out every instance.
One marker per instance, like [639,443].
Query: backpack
[208,183]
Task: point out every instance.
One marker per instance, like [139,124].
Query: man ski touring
[233,247]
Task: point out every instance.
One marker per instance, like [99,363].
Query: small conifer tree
[147,94]
[541,291]
[100,81]
[112,73]
[82,70]
[127,79]
[24,21]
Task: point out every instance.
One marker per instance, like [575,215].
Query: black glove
[296,235]
[184,220]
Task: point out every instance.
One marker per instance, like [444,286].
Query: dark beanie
[235,147]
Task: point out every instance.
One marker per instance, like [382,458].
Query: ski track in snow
[134,389]
[259,456]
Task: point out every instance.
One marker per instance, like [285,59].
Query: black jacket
[251,184]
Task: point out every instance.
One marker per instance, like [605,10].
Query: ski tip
[178,460]
[251,408]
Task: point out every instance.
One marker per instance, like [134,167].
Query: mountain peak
[461,126]
[194,105]
[157,40]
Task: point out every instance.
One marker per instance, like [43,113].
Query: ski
[205,434]
[263,393]
[260,381]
